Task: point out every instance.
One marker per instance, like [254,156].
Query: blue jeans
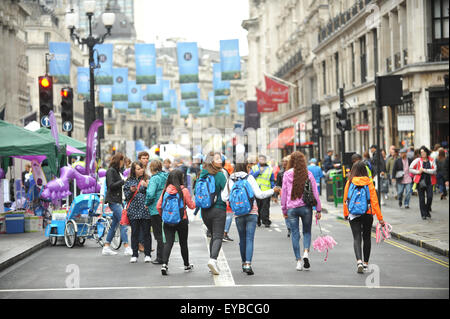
[117,215]
[404,188]
[305,213]
[246,226]
[228,222]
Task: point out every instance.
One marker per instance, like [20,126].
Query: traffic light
[343,123]
[45,97]
[157,151]
[316,129]
[67,109]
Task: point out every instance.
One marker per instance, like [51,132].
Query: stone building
[321,46]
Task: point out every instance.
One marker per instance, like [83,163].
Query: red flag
[265,103]
[278,92]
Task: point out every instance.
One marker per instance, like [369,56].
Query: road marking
[409,249]
[211,286]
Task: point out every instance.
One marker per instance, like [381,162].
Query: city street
[400,270]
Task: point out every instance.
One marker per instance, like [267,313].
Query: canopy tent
[17,141]
[75,145]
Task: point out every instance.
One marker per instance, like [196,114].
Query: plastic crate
[15,223]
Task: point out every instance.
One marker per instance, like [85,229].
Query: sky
[203,21]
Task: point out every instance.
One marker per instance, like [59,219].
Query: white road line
[210,286]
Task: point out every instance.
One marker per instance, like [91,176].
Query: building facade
[321,46]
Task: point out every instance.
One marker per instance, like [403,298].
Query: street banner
[192,103]
[204,108]
[155,91]
[145,56]
[120,87]
[122,106]
[104,74]
[220,100]
[184,111]
[279,93]
[252,116]
[59,66]
[165,103]
[187,54]
[134,95]
[211,101]
[265,103]
[105,96]
[148,107]
[173,101]
[230,60]
[189,91]
[240,105]
[83,83]
[221,88]
[91,147]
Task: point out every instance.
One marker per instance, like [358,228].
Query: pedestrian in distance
[143,158]
[316,171]
[441,172]
[227,171]
[135,189]
[246,222]
[155,188]
[279,183]
[424,170]
[328,161]
[393,156]
[214,216]
[167,165]
[113,198]
[360,204]
[402,177]
[263,173]
[297,180]
[174,186]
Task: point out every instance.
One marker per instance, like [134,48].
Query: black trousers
[169,232]
[426,192]
[214,219]
[263,211]
[361,229]
[157,232]
[138,227]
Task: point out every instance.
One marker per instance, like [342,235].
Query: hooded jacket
[186,199]
[220,182]
[256,190]
[374,208]
[286,191]
[154,191]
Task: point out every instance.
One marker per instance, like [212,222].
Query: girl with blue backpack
[172,208]
[360,204]
[241,190]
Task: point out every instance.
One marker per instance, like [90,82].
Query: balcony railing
[437,52]
[290,64]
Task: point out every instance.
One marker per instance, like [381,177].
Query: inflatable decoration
[101,172]
[126,172]
[2,173]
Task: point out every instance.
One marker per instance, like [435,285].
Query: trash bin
[338,189]
[329,189]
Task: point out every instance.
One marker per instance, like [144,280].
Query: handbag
[399,174]
[124,218]
[308,195]
[422,184]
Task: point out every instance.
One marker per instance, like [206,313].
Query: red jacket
[186,198]
[417,164]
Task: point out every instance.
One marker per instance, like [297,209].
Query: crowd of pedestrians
[156,196]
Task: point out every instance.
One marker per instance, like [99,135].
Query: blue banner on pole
[187,54]
[155,91]
[59,66]
[221,88]
[122,106]
[230,60]
[82,83]
[104,74]
[134,95]
[105,96]
[189,91]
[145,55]
[240,107]
[120,87]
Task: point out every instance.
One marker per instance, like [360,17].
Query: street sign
[363,127]
[45,121]
[67,126]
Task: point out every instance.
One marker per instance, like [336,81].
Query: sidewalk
[407,224]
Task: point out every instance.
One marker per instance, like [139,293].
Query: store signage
[362,127]
[405,123]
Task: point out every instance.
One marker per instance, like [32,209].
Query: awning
[284,138]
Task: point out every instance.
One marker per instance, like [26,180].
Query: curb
[23,255]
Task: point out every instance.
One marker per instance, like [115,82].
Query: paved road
[403,270]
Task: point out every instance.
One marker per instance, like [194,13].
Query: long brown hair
[115,160]
[297,161]
[358,169]
[133,170]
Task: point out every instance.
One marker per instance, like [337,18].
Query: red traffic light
[64,93]
[45,82]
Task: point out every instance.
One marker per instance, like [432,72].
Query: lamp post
[108,19]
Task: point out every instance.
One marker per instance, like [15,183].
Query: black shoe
[424,217]
[406,207]
[259,224]
[164,270]
[157,262]
[227,238]
[188,268]
[400,203]
[248,269]
[267,225]
[289,233]
[306,264]
[208,234]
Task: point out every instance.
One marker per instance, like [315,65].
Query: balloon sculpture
[2,173]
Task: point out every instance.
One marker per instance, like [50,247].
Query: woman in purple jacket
[293,207]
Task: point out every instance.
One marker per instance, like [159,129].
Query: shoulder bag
[124,219]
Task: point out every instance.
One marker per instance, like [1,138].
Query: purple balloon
[101,172]
[126,172]
[81,169]
[2,173]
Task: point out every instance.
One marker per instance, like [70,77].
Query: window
[440,24]
[324,76]
[47,36]
[352,48]
[336,61]
[362,44]
[375,51]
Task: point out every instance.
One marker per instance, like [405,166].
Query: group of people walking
[246,189]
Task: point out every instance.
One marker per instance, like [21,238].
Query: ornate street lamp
[108,19]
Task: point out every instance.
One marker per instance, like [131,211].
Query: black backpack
[308,195]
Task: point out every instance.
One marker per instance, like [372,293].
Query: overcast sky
[203,21]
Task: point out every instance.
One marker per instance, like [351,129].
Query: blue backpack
[205,192]
[358,199]
[172,208]
[241,197]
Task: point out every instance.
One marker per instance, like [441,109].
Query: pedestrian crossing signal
[67,108]
[45,95]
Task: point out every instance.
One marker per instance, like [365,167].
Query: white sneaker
[299,265]
[147,259]
[133,260]
[107,251]
[212,265]
[128,251]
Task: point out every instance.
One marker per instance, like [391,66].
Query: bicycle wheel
[100,232]
[70,235]
[116,242]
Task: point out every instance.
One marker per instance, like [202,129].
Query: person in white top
[246,224]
